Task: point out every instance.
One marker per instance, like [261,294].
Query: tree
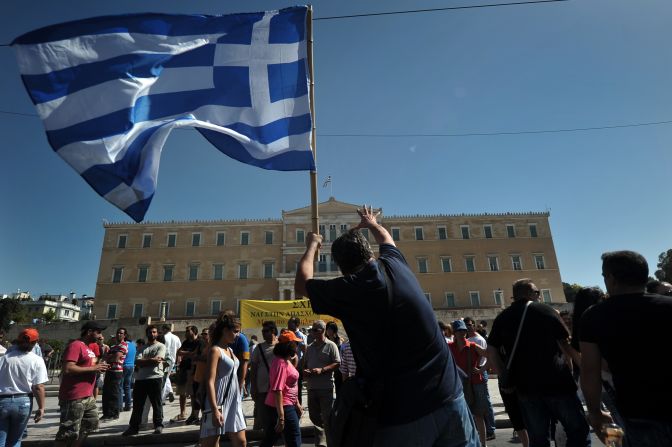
[11,310]
[664,272]
[49,315]
[570,290]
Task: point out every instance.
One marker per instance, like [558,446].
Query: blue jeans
[14,415]
[490,416]
[646,433]
[450,426]
[292,430]
[125,388]
[539,410]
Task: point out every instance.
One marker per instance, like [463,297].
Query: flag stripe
[50,86]
[238,27]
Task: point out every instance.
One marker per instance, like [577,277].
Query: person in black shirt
[642,395]
[422,402]
[540,369]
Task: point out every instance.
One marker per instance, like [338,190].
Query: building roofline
[190,222]
[510,214]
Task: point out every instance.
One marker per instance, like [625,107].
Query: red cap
[30,334]
[287,336]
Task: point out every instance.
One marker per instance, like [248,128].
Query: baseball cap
[458,325]
[287,336]
[94,326]
[30,334]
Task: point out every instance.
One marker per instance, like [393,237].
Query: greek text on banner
[254,312]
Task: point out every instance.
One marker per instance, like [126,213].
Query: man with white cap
[22,375]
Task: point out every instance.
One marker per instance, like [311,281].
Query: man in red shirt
[467,356]
[79,415]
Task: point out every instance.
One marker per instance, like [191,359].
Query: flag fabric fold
[109,91]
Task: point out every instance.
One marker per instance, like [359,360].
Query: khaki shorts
[78,418]
[186,389]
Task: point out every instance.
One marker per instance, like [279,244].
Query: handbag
[505,381]
[353,420]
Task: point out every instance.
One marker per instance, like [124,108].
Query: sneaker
[107,418]
[130,432]
[158,430]
[127,408]
[490,437]
[171,397]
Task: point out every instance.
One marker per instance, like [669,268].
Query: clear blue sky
[575,64]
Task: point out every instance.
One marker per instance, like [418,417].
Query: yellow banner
[254,312]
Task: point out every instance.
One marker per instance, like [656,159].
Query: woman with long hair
[282,401]
[223,413]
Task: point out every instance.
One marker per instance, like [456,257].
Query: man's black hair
[350,251]
[652,286]
[270,324]
[628,268]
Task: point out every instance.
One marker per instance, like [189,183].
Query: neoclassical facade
[465,263]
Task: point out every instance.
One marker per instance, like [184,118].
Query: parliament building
[465,263]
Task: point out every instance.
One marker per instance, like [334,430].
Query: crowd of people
[424,383]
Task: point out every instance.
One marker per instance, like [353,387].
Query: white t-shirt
[480,341]
[20,371]
[173,344]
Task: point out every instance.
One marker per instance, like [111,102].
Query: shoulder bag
[505,380]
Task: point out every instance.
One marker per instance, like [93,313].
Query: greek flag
[109,90]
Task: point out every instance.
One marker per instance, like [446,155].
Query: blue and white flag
[110,89]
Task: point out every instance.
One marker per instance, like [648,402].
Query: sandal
[178,418]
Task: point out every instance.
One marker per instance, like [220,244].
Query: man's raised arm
[305,269]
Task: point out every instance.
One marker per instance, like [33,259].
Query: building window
[533,230]
[146,240]
[215,307]
[195,239]
[442,233]
[220,238]
[66,313]
[168,272]
[218,271]
[510,230]
[242,271]
[465,231]
[475,299]
[268,237]
[344,228]
[117,273]
[546,295]
[446,265]
[138,310]
[365,233]
[450,299]
[111,311]
[422,265]
[539,262]
[244,238]
[172,239]
[419,234]
[191,309]
[143,273]
[487,231]
[493,263]
[193,272]
[300,236]
[470,263]
[516,262]
[332,232]
[323,231]
[396,234]
[428,296]
[499,296]
[322,263]
[333,266]
[268,269]
[121,242]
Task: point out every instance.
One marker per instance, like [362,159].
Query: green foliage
[664,272]
[570,291]
[58,345]
[50,315]
[12,310]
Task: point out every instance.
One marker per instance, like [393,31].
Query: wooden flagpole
[315,219]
